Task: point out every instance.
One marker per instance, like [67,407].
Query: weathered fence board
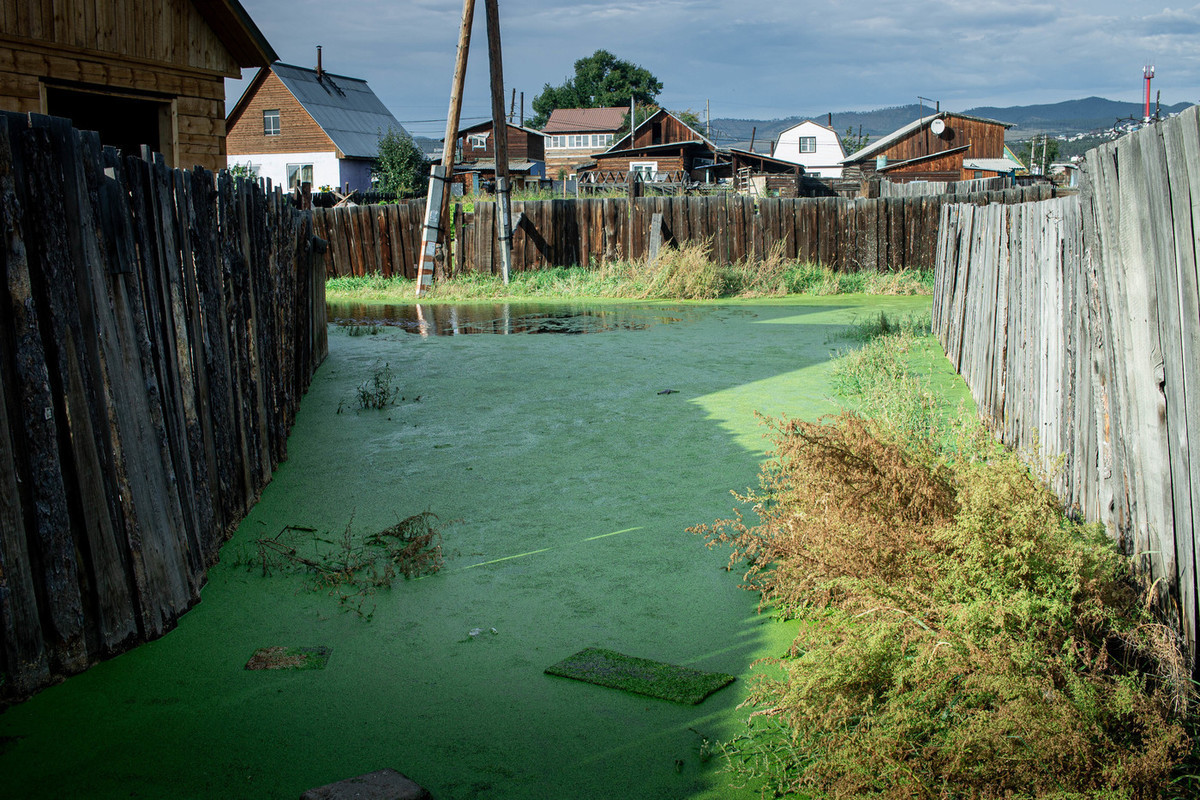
[846,235]
[158,331]
[1095,364]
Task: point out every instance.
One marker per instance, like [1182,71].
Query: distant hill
[1066,118]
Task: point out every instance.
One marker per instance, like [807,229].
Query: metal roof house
[816,147]
[296,125]
[933,148]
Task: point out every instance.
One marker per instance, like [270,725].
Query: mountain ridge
[1065,118]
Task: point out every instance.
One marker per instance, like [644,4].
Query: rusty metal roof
[589,120]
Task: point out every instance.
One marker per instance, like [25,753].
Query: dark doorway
[125,123]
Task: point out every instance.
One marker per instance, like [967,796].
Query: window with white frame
[478,141]
[271,122]
[646,170]
[808,144]
[298,174]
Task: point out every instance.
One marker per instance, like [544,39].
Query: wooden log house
[940,147]
[663,149]
[476,166]
[140,72]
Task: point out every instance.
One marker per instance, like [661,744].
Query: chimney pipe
[320,71]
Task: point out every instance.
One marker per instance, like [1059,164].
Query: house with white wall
[297,125]
[815,146]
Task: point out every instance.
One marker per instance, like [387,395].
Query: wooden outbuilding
[663,149]
[140,72]
[932,148]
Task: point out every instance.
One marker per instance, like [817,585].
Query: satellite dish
[937,126]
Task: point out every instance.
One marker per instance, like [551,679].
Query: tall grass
[957,635]
[685,273]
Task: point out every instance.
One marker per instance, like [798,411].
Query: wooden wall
[158,331]
[522,145]
[298,131]
[1077,326]
[879,234]
[985,138]
[165,48]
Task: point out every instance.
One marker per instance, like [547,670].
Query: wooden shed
[663,149]
[141,72]
[932,148]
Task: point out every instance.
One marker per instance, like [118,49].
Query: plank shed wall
[298,131]
[133,46]
[986,140]
[669,130]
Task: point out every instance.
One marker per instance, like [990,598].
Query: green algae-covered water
[566,482]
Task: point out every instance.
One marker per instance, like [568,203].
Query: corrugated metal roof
[592,120]
[875,147]
[991,164]
[345,108]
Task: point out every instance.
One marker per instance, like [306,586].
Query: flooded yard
[564,470]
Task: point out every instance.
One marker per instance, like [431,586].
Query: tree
[852,143]
[400,167]
[601,81]
[1038,154]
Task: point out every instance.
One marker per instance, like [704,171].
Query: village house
[663,149]
[815,146]
[941,147]
[139,72]
[575,135]
[296,125]
[475,166]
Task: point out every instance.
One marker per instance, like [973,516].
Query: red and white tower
[1148,73]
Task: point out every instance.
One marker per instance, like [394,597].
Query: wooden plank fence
[159,329]
[844,234]
[1076,323]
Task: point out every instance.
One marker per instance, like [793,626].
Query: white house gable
[815,146]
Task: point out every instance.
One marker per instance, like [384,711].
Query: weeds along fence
[844,234]
[158,331]
[1076,323]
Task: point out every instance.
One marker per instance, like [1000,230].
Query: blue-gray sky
[753,59]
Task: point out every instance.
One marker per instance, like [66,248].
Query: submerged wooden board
[640,675]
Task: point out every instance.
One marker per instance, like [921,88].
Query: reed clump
[958,636]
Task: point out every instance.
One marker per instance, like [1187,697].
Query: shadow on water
[505,318]
[571,478]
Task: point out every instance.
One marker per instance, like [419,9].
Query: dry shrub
[958,636]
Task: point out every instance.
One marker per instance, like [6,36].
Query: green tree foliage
[1031,153]
[400,167]
[852,142]
[601,81]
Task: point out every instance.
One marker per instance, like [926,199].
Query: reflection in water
[503,318]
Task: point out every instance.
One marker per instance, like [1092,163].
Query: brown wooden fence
[157,332]
[845,234]
[1077,326]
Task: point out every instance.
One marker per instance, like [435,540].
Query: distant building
[475,166]
[663,149]
[815,146]
[575,135]
[140,72]
[941,147]
[297,125]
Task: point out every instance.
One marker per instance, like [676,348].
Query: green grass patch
[686,273]
[640,675]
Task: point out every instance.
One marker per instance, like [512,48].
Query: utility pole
[707,121]
[512,108]
[439,198]
[500,130]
